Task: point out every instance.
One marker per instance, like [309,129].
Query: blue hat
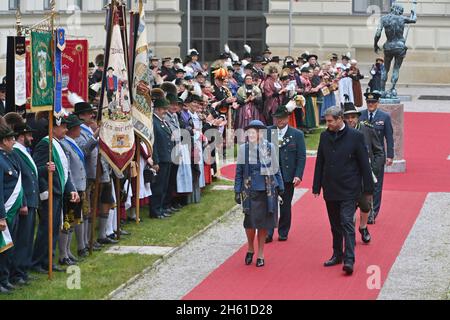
[255,124]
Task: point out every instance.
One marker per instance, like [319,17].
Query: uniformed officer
[292,160]
[11,201]
[162,150]
[23,248]
[376,157]
[382,124]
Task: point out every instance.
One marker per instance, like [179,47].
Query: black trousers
[23,245]
[172,187]
[7,257]
[159,189]
[284,223]
[341,214]
[40,252]
[378,192]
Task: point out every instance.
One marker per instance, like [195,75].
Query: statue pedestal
[396,111]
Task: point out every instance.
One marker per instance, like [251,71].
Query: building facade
[320,27]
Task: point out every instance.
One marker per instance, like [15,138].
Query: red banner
[75,70]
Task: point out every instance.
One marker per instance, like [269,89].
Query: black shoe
[8,286]
[333,261]
[107,241]
[365,235]
[168,210]
[20,282]
[166,215]
[348,268]
[249,258]
[5,291]
[158,217]
[174,209]
[260,262]
[83,253]
[280,238]
[58,269]
[112,236]
[269,239]
[177,206]
[39,269]
[66,262]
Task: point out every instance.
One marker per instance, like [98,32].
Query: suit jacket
[40,157]
[30,182]
[373,145]
[9,174]
[163,144]
[292,153]
[342,164]
[88,144]
[76,165]
[383,126]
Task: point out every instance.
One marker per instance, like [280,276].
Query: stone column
[396,111]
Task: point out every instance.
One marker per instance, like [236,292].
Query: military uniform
[381,122]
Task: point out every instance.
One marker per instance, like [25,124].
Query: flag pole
[138,177]
[99,121]
[50,149]
[118,204]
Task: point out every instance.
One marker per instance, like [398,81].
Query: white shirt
[282,132]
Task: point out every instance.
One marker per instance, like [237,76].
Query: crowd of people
[188,99]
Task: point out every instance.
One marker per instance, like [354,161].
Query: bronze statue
[395,47]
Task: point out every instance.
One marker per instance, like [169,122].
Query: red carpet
[294,269]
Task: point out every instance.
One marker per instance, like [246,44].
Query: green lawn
[312,139]
[102,273]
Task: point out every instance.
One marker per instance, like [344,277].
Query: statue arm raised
[413,17]
[378,36]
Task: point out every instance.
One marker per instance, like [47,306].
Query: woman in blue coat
[257,185]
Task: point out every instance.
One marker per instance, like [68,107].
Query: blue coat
[292,153]
[9,174]
[30,182]
[251,176]
[383,126]
[163,144]
[342,165]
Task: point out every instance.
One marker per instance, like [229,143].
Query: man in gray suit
[72,211]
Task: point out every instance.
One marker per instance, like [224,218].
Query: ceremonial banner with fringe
[42,86]
[116,131]
[60,45]
[15,74]
[142,111]
[75,70]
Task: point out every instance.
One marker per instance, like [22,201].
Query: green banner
[42,72]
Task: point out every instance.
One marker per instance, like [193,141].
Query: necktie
[371,117]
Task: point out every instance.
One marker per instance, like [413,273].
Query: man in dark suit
[342,164]
[292,160]
[382,124]
[376,156]
[162,150]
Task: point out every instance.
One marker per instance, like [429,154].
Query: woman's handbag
[149,175]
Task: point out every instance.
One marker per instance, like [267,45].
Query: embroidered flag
[142,111]
[60,44]
[15,74]
[116,131]
[42,86]
[75,70]
[12,206]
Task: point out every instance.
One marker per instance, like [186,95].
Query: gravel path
[188,266]
[422,270]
